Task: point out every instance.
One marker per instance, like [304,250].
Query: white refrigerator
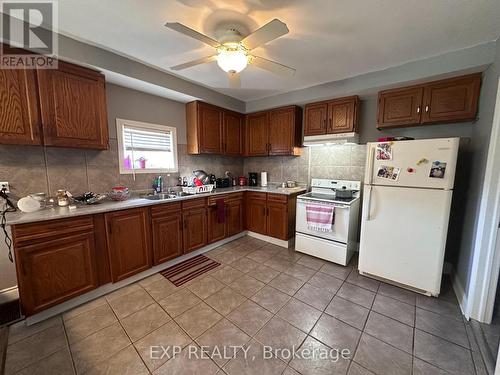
[406,208]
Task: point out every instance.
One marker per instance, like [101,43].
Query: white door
[415,159]
[403,235]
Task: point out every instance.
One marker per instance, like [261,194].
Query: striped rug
[185,271]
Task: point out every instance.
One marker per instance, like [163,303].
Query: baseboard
[274,241]
[108,288]
[460,293]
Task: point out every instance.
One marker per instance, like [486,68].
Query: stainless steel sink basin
[160,196]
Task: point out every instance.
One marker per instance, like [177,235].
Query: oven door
[339,228]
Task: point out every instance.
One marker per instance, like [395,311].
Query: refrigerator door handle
[371,162]
[368,215]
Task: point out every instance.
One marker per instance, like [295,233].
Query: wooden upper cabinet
[213,130]
[316,118]
[343,115]
[19,109]
[129,242]
[73,107]
[210,129]
[274,132]
[332,116]
[285,131]
[233,133]
[400,107]
[448,100]
[166,224]
[257,139]
[451,100]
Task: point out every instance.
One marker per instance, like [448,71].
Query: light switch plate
[5,185]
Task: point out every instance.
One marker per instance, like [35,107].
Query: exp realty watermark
[228,352]
[29,41]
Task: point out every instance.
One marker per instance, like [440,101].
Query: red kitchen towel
[221,210]
[320,217]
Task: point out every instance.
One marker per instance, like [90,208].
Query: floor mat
[188,270]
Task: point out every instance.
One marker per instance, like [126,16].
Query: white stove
[339,242]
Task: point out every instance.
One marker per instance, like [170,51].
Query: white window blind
[147,140]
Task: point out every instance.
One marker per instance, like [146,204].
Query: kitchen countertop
[19,217]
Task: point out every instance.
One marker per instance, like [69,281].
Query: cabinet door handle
[264,211]
[418,109]
[110,228]
[426,108]
[331,124]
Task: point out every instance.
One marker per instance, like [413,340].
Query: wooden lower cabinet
[234,216]
[271,214]
[256,212]
[55,270]
[216,230]
[166,226]
[61,259]
[277,223]
[129,242]
[194,218]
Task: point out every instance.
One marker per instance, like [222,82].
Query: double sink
[164,196]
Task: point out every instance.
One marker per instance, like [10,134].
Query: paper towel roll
[263,178]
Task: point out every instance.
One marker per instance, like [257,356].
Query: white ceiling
[329,40]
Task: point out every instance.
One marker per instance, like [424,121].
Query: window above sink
[146,148]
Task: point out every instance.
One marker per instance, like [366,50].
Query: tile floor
[261,295]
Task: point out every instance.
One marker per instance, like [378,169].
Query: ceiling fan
[233,50]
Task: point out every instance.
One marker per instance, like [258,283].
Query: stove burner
[327,197]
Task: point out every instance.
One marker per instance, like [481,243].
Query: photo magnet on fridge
[390,173]
[384,151]
[438,169]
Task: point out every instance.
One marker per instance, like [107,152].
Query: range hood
[331,139]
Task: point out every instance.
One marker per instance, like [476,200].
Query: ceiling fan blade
[179,27]
[272,66]
[234,80]
[189,64]
[266,33]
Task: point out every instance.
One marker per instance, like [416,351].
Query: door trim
[486,254]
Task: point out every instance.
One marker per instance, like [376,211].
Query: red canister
[242,181]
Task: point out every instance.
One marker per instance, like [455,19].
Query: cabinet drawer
[198,202]
[277,198]
[34,232]
[235,196]
[257,196]
[165,209]
[212,201]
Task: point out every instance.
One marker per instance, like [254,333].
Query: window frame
[121,123]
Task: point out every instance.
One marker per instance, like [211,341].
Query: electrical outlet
[5,185]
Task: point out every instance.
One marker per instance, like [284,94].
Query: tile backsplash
[31,169]
[335,161]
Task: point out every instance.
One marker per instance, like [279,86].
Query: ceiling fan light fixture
[232,57]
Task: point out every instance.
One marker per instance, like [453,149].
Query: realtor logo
[29,26]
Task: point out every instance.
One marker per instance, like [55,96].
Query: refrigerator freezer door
[403,236]
[415,160]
